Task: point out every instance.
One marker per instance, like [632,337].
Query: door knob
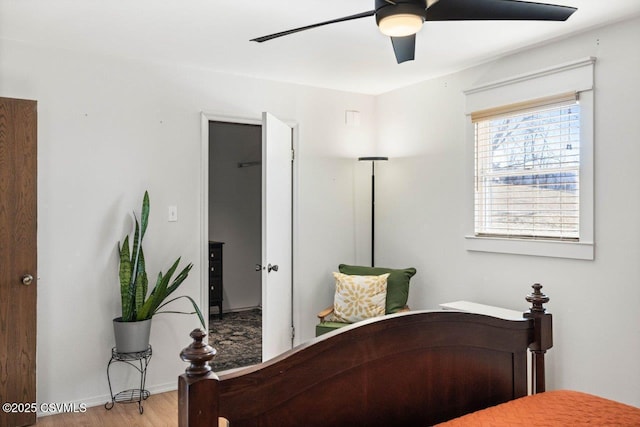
[272,267]
[27,279]
[258,267]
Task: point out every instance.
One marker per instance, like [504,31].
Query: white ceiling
[215,34]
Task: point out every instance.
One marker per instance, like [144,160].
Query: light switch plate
[173,213]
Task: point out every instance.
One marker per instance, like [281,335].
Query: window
[527,170]
[530,163]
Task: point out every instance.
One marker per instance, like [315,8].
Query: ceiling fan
[402,19]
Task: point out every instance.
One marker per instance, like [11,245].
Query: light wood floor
[160,410]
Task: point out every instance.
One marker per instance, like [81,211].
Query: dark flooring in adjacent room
[237,339]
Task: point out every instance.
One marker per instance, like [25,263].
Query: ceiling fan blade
[480,10]
[308,27]
[404,48]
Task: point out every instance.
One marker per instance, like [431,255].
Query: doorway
[235,242]
[278,209]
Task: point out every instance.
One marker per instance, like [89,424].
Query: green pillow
[397,283]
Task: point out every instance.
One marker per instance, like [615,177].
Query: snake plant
[136,305]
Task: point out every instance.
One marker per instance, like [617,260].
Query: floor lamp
[373,161]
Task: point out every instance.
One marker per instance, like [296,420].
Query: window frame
[576,76]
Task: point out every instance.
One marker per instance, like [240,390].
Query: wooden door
[277,262]
[18,211]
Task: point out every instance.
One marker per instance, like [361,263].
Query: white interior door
[276,237]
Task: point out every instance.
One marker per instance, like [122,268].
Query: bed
[417,368]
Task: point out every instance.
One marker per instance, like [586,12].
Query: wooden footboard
[414,368]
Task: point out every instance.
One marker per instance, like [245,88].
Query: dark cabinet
[215,276]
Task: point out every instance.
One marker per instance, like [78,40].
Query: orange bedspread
[553,408]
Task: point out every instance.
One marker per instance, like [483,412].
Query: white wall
[420,213]
[235,211]
[108,130]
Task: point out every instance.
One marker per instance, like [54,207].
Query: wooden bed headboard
[413,368]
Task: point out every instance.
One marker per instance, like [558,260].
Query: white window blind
[527,169]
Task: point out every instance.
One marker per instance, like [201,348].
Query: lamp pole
[373,161]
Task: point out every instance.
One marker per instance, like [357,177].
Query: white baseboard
[90,402]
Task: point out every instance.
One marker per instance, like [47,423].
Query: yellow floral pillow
[359,297]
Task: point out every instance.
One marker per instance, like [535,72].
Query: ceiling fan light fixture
[401,24]
[400,18]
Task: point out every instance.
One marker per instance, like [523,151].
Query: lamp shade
[372,158]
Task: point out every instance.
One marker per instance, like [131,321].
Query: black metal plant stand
[134,395]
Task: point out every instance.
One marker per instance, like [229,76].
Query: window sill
[546,248]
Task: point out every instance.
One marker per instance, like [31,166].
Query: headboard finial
[542,336]
[537,299]
[198,354]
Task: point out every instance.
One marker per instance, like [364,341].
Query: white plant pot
[131,337]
